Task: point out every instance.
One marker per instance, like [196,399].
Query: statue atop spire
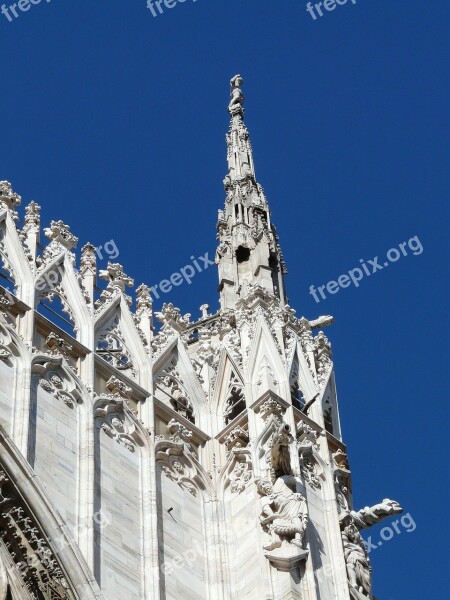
[237,97]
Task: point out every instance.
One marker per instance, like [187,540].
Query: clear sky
[114,121]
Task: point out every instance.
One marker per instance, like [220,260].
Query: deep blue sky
[114,121]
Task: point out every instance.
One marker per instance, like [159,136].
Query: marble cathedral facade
[197,460]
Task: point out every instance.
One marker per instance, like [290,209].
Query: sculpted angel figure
[283,512]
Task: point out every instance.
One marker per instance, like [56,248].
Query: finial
[32,217]
[88,260]
[9,198]
[237,97]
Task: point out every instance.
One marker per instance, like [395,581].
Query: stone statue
[357,561]
[283,512]
[280,459]
[355,553]
[237,97]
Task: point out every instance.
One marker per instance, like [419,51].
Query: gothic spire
[248,252]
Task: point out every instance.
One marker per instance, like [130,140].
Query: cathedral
[147,456]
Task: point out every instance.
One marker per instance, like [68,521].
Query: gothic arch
[265,369]
[65,566]
[119,342]
[14,253]
[229,392]
[57,278]
[185,381]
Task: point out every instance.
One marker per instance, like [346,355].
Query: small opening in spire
[242,254]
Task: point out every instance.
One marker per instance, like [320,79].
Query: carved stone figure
[355,553]
[280,460]
[357,561]
[368,516]
[283,512]
[237,97]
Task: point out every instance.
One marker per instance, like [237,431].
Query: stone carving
[177,459]
[357,561]
[341,476]
[117,282]
[368,516]
[235,403]
[309,472]
[270,408]
[232,342]
[322,321]
[118,388]
[278,454]
[57,346]
[308,447]
[237,97]
[322,354]
[355,552]
[60,233]
[179,433]
[170,316]
[283,512]
[88,261]
[237,438]
[56,383]
[32,221]
[9,198]
[240,476]
[116,424]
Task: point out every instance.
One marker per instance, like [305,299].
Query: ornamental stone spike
[144,311]
[248,251]
[88,270]
[32,228]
